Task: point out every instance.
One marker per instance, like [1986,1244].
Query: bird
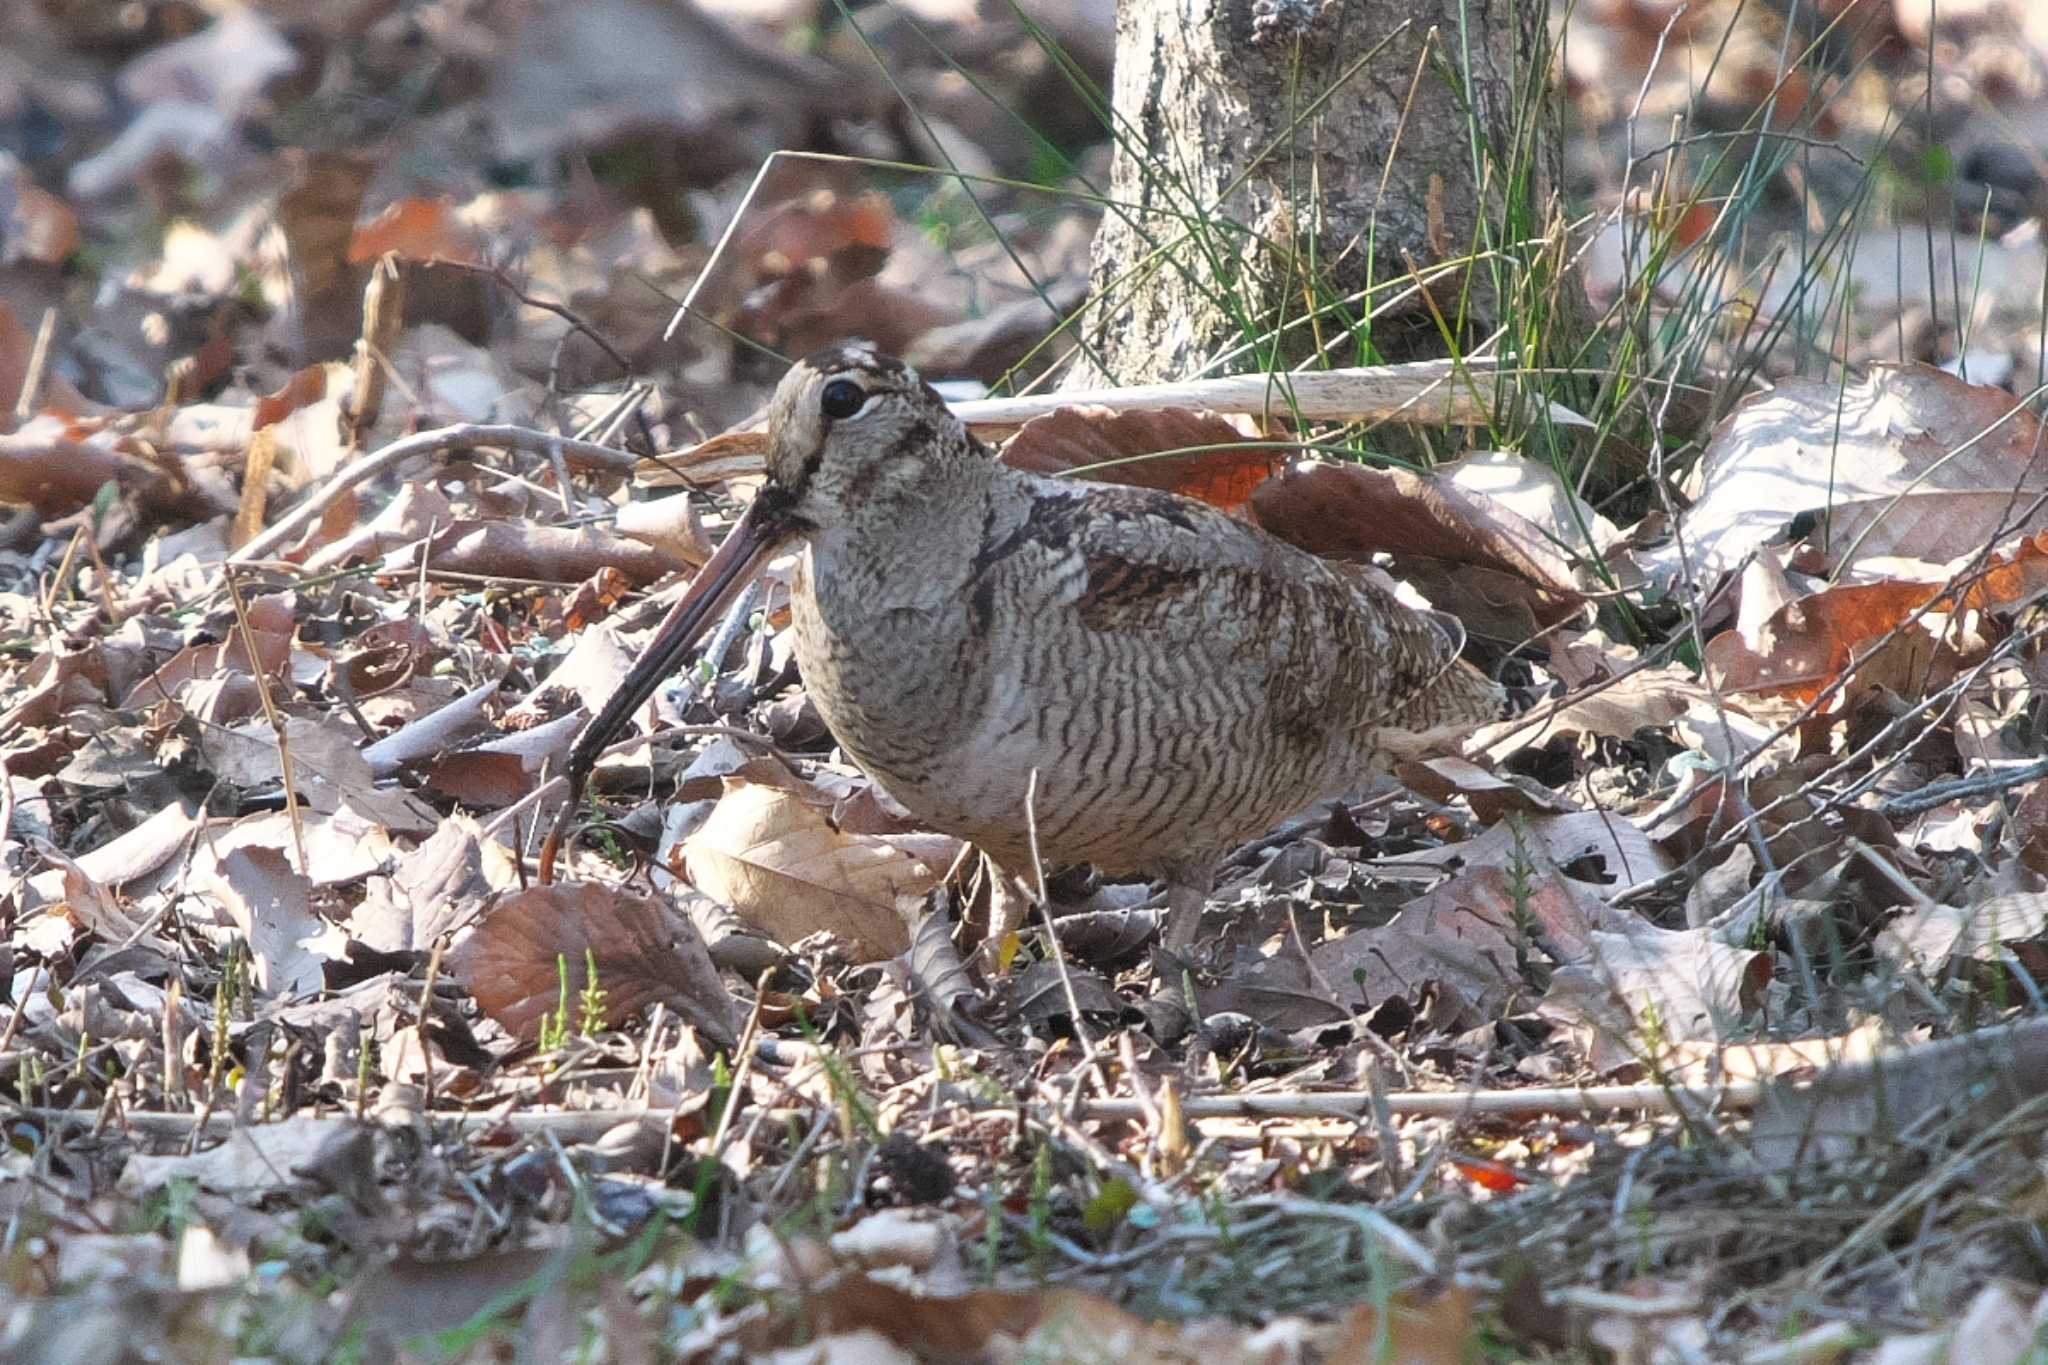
[1054,668]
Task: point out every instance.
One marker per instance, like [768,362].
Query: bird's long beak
[739,560]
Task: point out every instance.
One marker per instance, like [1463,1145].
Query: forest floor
[1695,1014]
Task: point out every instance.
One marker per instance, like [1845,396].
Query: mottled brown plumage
[1177,680]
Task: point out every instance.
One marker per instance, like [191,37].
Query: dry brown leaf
[1647,699]
[782,867]
[272,904]
[1645,990]
[141,850]
[58,680]
[512,961]
[327,769]
[1108,446]
[1414,1331]
[550,554]
[1349,511]
[57,465]
[499,771]
[38,227]
[729,457]
[1935,938]
[90,904]
[307,386]
[1808,643]
[272,625]
[1594,846]
[1975,1078]
[417,509]
[1467,936]
[256,1160]
[433,887]
[1910,462]
[1491,797]
[1435,530]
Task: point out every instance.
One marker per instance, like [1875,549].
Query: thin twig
[273,715]
[584,1125]
[38,366]
[1941,793]
[1091,1056]
[435,442]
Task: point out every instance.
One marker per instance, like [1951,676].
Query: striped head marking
[849,426]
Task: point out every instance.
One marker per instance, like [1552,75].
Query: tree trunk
[1253,155]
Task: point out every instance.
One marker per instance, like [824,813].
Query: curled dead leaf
[777,860]
[512,963]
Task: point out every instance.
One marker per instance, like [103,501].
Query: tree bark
[1271,152]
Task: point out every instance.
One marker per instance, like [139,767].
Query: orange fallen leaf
[416,230]
[1197,454]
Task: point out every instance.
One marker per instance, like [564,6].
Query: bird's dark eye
[842,398]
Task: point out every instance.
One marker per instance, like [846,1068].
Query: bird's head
[850,428]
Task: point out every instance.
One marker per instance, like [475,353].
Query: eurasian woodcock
[1178,680]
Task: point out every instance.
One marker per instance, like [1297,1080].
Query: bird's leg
[1188,882]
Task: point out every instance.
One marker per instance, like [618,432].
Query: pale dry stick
[1425,391]
[743,1067]
[174,1039]
[1941,793]
[62,575]
[642,1084]
[271,714]
[565,488]
[1168,1237]
[1091,1058]
[104,580]
[38,367]
[435,442]
[1369,1220]
[1127,1053]
[605,425]
[1588,1101]
[426,1013]
[587,1125]
[35,975]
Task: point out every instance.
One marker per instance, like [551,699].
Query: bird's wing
[1305,646]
